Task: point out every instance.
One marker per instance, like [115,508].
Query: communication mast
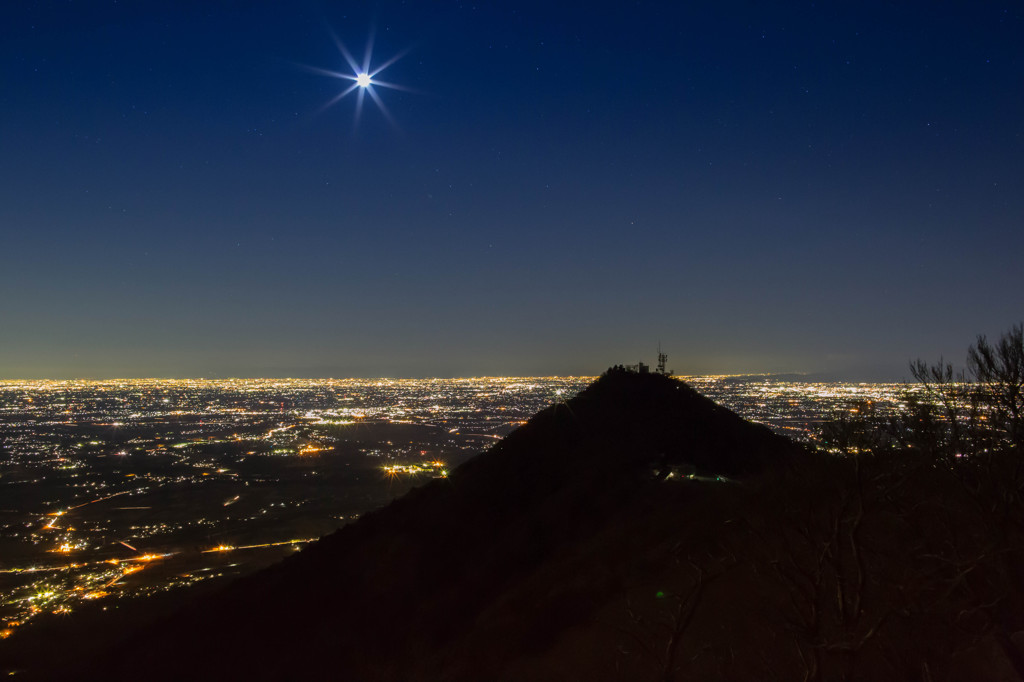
[662,359]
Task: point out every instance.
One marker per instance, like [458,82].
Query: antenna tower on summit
[662,359]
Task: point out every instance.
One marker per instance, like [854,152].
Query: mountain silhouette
[635,532]
[381,597]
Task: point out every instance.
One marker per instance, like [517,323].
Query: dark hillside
[635,532]
[379,596]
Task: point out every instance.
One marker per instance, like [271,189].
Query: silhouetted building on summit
[642,368]
[639,368]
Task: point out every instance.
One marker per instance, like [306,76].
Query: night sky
[761,187]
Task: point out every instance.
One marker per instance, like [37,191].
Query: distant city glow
[103,458]
[95,522]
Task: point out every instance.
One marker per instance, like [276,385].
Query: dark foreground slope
[577,548]
[379,598]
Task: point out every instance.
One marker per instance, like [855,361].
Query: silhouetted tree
[953,414]
[959,499]
[949,409]
[658,627]
[999,369]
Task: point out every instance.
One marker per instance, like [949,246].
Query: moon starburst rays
[364,79]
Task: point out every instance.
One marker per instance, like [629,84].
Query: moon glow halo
[364,80]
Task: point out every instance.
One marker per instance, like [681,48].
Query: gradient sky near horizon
[803,187]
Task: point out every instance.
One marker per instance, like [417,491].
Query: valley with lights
[119,489]
[134,488]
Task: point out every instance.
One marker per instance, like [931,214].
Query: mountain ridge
[455,545]
[636,531]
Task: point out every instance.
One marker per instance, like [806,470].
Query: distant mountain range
[635,532]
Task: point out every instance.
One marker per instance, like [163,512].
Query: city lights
[127,488]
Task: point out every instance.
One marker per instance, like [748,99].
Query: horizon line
[811,377]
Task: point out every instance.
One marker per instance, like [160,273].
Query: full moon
[362,80]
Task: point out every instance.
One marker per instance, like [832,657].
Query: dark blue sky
[815,187]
